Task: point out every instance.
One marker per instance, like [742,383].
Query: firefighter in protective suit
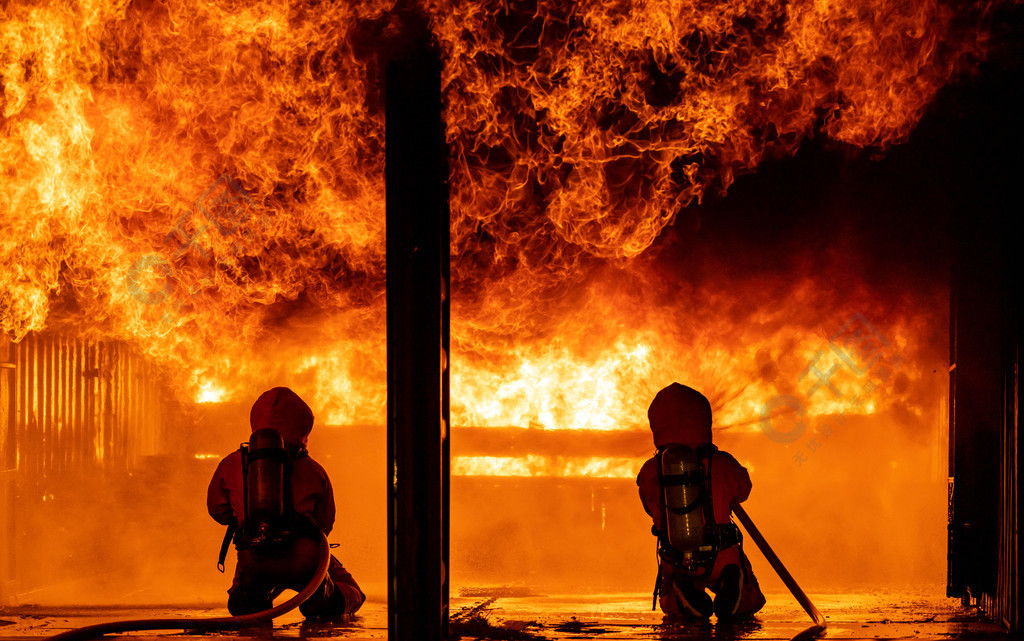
[688,489]
[284,557]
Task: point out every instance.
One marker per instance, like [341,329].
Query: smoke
[206,183]
[110,537]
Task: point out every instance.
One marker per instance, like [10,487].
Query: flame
[206,183]
[532,465]
[619,114]
[210,392]
[600,373]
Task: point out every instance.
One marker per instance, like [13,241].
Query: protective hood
[680,415]
[283,411]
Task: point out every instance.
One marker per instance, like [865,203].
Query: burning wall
[78,421]
[205,182]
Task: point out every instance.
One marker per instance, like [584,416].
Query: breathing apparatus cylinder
[682,480]
[264,484]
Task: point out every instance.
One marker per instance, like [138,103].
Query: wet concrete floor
[508,614]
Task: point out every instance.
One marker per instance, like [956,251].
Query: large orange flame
[205,181]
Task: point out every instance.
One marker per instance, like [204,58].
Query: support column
[8,468]
[418,320]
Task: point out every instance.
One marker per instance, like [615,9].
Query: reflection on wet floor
[850,616]
[514,615]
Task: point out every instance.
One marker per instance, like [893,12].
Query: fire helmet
[281,410]
[680,415]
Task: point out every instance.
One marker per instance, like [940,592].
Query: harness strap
[707,456]
[233,527]
[225,544]
[686,509]
[657,588]
[271,453]
[686,478]
[728,535]
[244,450]
[657,578]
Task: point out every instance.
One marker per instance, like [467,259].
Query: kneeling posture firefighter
[276,500]
[688,488]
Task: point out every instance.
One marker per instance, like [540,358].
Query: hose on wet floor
[211,623]
[248,620]
[819,626]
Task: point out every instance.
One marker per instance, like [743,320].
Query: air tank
[682,483]
[265,479]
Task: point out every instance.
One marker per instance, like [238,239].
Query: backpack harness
[690,539]
[268,514]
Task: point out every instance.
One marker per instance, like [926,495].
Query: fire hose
[212,623]
[819,626]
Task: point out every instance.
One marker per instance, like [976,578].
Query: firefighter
[688,488]
[281,553]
